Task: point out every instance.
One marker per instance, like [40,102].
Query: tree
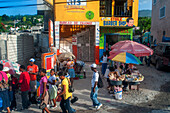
[5,17]
[24,19]
[144,23]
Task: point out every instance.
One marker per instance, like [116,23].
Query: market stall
[129,76]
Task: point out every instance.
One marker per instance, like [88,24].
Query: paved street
[133,101]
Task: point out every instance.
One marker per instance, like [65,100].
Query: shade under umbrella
[132,47]
[125,57]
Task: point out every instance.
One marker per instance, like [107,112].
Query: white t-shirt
[104,59]
[95,78]
[51,80]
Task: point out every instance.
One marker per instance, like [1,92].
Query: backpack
[3,84]
[100,82]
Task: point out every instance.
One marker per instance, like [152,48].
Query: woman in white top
[52,87]
[104,63]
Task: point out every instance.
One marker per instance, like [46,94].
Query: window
[154,2]
[105,8]
[162,12]
[123,8]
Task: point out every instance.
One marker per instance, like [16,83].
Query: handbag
[75,99]
[71,89]
[3,84]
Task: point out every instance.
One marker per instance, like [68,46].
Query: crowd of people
[57,88]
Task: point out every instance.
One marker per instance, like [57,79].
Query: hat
[32,60]
[93,66]
[5,69]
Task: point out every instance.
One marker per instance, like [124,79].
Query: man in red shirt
[24,80]
[33,72]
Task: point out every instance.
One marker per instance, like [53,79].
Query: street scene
[84,56]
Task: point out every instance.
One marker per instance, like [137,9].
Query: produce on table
[134,78]
[115,77]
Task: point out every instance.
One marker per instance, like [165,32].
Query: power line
[28,5]
[13,1]
[20,6]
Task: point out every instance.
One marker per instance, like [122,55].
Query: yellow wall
[135,12]
[64,12]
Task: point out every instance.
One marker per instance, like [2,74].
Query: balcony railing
[122,11]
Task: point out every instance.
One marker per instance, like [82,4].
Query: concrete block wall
[20,48]
[3,50]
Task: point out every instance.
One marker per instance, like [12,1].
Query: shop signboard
[48,61]
[77,2]
[117,22]
[51,37]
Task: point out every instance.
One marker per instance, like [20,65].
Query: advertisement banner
[51,36]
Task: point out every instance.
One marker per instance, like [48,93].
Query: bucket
[118,95]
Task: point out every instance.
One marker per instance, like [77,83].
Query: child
[24,80]
[14,88]
[52,87]
[43,91]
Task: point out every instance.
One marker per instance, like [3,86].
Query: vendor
[104,63]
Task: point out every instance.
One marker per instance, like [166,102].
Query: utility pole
[54,23]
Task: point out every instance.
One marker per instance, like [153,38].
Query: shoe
[95,106]
[54,107]
[98,107]
[48,106]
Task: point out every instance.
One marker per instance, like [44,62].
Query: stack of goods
[114,76]
[134,78]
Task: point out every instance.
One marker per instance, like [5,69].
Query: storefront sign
[57,34]
[115,21]
[97,34]
[51,37]
[48,61]
[77,2]
[74,40]
[113,30]
[89,15]
[76,23]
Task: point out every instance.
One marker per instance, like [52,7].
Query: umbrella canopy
[14,67]
[132,47]
[64,56]
[125,57]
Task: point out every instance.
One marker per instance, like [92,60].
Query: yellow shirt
[67,93]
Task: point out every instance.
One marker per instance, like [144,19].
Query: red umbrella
[131,47]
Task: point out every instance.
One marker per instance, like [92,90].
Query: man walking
[33,72]
[24,80]
[94,89]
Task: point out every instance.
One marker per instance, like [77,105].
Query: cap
[32,60]
[5,69]
[93,66]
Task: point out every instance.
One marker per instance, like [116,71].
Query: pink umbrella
[131,47]
[14,67]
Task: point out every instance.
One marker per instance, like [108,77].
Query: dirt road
[153,97]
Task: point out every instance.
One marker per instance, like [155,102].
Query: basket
[134,83]
[115,83]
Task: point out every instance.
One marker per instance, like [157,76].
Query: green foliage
[144,23]
[22,20]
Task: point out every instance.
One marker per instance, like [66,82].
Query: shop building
[87,29]
[160,20]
